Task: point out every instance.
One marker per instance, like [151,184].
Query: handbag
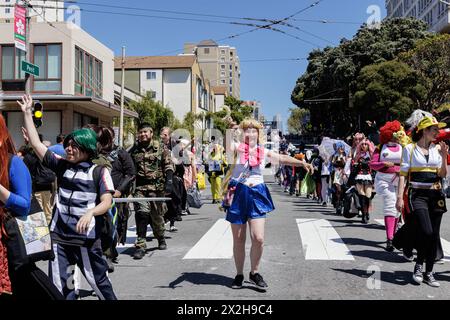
[28,238]
[201,181]
[194,198]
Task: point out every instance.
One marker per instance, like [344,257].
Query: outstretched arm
[290,161]
[26,105]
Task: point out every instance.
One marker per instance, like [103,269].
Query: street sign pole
[27,45]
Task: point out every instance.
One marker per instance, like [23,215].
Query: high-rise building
[43,10]
[257,108]
[219,64]
[435,13]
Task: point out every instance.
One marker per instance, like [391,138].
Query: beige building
[220,93]
[76,81]
[220,64]
[175,81]
[434,12]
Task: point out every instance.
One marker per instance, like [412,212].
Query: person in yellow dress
[216,164]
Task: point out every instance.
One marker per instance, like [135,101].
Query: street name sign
[30,68]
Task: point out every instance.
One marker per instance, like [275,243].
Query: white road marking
[321,241]
[217,243]
[445,243]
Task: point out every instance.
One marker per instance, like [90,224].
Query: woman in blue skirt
[247,199]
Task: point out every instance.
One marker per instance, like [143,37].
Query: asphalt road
[190,268]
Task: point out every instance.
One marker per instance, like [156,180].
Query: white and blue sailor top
[424,170]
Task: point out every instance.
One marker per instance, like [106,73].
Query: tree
[431,61]
[296,121]
[332,73]
[154,113]
[387,89]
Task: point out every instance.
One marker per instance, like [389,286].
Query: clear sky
[270,82]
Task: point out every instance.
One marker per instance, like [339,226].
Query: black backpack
[108,221]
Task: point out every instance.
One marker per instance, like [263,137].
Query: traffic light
[37,113]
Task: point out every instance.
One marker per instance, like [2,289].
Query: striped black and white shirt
[76,194]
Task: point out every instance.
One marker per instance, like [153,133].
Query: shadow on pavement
[201,278]
[401,278]
[383,256]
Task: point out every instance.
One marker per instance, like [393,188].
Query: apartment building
[434,12]
[76,81]
[44,10]
[176,81]
[220,93]
[257,108]
[220,64]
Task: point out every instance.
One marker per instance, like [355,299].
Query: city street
[198,263]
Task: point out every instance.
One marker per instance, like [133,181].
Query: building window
[80,120]
[7,10]
[222,81]
[222,73]
[152,94]
[231,81]
[151,75]
[48,58]
[222,51]
[222,66]
[12,78]
[222,59]
[7,21]
[231,74]
[231,67]
[231,53]
[88,74]
[206,51]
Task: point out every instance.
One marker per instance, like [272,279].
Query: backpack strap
[96,175]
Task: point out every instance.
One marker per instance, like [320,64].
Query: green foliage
[296,124]
[388,90]
[154,113]
[333,72]
[431,60]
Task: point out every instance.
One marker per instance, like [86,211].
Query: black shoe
[389,246]
[110,265]
[365,218]
[178,218]
[162,244]
[418,273]
[258,280]
[139,253]
[237,282]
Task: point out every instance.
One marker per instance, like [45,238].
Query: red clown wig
[387,131]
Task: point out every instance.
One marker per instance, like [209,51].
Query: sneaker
[258,280]
[389,246]
[408,255]
[237,282]
[428,278]
[162,245]
[139,253]
[324,204]
[184,213]
[110,265]
[418,273]
[173,229]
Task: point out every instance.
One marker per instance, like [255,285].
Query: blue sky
[269,82]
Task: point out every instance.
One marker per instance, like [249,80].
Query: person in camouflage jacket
[154,178]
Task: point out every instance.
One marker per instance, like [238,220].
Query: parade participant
[247,198]
[325,180]
[317,163]
[25,281]
[298,174]
[216,165]
[386,161]
[187,159]
[338,176]
[424,164]
[154,173]
[76,224]
[357,138]
[363,178]
[58,148]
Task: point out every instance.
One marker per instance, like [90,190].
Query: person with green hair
[80,202]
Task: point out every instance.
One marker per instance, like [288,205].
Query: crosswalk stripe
[217,243]
[321,241]
[131,238]
[445,243]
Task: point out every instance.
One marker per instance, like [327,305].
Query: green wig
[85,139]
